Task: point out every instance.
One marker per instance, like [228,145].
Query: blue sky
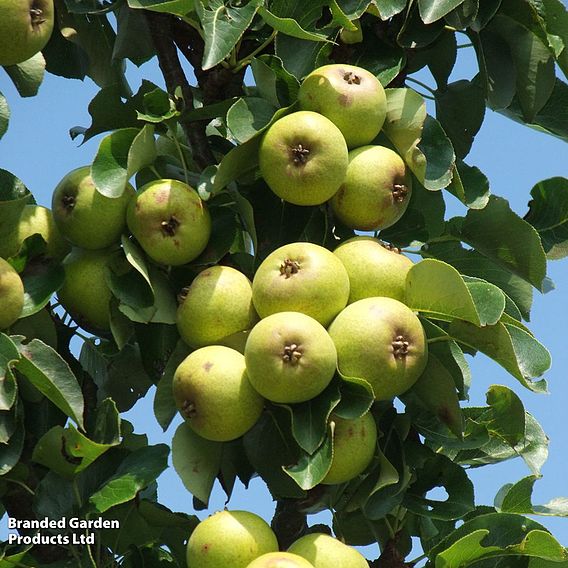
[38,149]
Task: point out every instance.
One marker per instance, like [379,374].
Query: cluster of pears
[240,539]
[324,152]
[83,230]
[308,313]
[25,29]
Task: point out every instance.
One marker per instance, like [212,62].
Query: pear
[351,97]
[324,551]
[303,158]
[218,304]
[170,221]
[25,29]
[376,190]
[11,295]
[36,219]
[351,37]
[230,539]
[85,293]
[85,216]
[290,357]
[374,269]
[382,341]
[280,560]
[213,393]
[301,277]
[354,444]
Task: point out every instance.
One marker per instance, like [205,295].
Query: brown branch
[288,523]
[161,30]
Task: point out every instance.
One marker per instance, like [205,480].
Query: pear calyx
[289,267]
[292,354]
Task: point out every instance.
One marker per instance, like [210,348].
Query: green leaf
[289,26]
[518,249]
[514,349]
[10,453]
[435,390]
[270,447]
[164,404]
[223,26]
[135,473]
[224,231]
[299,56]
[556,22]
[120,155]
[469,185]
[437,149]
[4,115]
[356,400]
[248,116]
[196,461]
[438,290]
[533,63]
[28,76]
[517,498]
[436,470]
[492,535]
[389,8]
[9,356]
[51,375]
[14,196]
[41,280]
[460,108]
[157,342]
[548,214]
[158,107]
[274,83]
[309,419]
[464,15]
[311,469]
[177,7]
[505,403]
[433,10]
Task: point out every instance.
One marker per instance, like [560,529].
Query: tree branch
[288,523]
[161,29]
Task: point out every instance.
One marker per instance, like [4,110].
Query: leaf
[51,375]
[464,15]
[460,108]
[433,10]
[309,419]
[299,56]
[556,22]
[356,400]
[10,453]
[177,7]
[274,83]
[4,115]
[14,196]
[9,356]
[438,290]
[469,185]
[164,404]
[311,469]
[436,470]
[135,473]
[548,214]
[196,461]
[517,498]
[518,249]
[289,26]
[120,155]
[157,342]
[28,76]
[514,349]
[223,26]
[41,280]
[248,116]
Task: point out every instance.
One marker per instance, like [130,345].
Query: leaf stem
[246,60]
[421,84]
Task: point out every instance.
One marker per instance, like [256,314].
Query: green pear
[36,219]
[25,29]
[85,216]
[376,190]
[213,393]
[290,357]
[170,222]
[301,277]
[350,37]
[218,304]
[85,293]
[373,268]
[230,539]
[351,97]
[382,341]
[354,444]
[324,551]
[280,560]
[11,295]
[303,158]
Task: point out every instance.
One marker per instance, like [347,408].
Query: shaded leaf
[4,115]
[248,116]
[28,76]
[274,83]
[433,10]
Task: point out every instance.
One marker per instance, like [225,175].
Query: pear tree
[264,248]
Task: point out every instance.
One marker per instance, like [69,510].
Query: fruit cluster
[240,539]
[324,151]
